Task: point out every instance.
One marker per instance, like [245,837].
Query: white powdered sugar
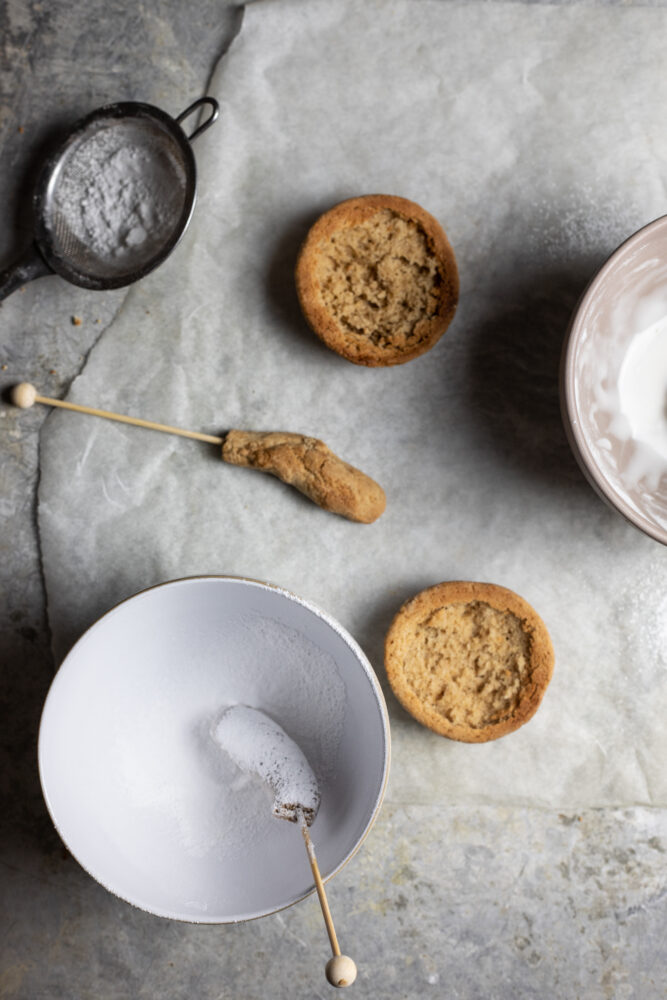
[258,745]
[207,804]
[121,193]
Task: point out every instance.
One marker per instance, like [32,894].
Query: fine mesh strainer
[113,200]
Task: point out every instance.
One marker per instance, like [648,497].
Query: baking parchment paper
[536,135]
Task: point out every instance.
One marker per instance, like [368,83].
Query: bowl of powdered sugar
[143,795]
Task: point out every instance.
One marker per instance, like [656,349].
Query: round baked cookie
[469,660]
[377,280]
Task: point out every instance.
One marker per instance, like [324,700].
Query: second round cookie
[470,661]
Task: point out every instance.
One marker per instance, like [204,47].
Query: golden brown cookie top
[469,660]
[377,280]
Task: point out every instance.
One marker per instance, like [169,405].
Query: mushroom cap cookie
[470,661]
[377,280]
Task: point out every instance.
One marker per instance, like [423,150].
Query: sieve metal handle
[29,265]
[215,110]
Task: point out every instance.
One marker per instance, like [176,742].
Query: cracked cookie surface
[469,660]
[377,280]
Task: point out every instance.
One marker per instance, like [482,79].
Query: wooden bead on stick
[23,395]
[341,970]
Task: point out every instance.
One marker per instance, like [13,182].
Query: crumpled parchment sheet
[535,134]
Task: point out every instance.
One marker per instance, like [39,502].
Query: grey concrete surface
[448,902]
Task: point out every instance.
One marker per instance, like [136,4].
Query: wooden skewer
[25,395]
[340,969]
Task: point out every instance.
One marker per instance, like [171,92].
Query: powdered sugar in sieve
[118,197]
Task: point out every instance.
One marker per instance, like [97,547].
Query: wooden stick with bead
[340,969]
[303,462]
[25,395]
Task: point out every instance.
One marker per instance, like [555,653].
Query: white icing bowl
[625,298]
[137,788]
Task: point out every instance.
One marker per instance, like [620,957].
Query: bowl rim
[361,659]
[567,379]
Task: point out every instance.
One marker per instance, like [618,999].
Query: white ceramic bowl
[625,297]
[140,793]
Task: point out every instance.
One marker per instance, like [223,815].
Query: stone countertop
[464,902]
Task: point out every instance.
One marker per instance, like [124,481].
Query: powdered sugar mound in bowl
[213,810]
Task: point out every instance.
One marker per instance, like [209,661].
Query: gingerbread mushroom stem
[305,463]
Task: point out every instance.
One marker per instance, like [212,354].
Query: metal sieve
[113,200]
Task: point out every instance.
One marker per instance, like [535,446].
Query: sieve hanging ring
[215,110]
